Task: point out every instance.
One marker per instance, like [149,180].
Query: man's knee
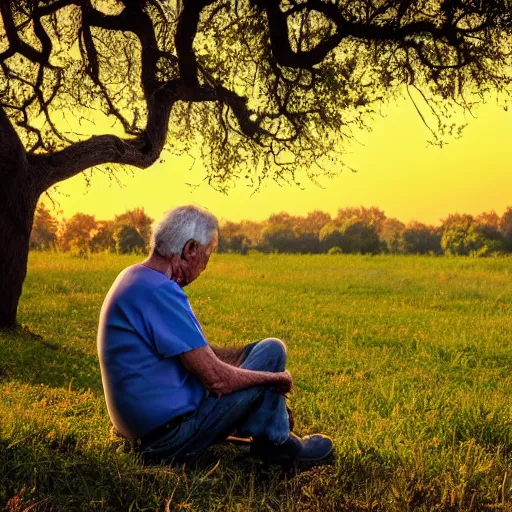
[267,355]
[275,349]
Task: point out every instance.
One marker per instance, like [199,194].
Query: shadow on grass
[43,468]
[48,470]
[57,474]
[32,359]
[43,473]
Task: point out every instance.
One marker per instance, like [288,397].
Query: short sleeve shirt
[146,322]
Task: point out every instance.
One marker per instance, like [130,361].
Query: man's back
[145,323]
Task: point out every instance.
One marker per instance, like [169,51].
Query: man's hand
[285,383]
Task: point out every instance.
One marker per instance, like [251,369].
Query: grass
[405,361]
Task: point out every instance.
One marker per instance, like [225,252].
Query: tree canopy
[258,87]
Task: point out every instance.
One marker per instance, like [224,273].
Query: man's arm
[222,378]
[229,355]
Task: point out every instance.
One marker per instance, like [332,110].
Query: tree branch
[238,104]
[391,31]
[132,19]
[184,40]
[17,45]
[280,39]
[141,151]
[53,8]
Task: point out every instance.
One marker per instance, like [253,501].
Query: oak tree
[255,88]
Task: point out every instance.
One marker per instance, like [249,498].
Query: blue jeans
[258,412]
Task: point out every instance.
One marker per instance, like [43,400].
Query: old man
[168,388]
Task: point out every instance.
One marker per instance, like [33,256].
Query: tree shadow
[52,471]
[58,474]
[30,358]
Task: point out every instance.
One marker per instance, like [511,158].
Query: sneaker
[302,451]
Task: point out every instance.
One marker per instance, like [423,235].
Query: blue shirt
[145,323]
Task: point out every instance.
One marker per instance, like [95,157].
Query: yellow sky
[397,171]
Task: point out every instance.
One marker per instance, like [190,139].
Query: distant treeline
[353,230]
[368,230]
[82,234]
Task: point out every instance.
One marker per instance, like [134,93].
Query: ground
[405,361]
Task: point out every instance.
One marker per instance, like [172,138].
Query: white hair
[180,225]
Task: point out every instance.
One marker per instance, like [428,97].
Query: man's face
[197,256]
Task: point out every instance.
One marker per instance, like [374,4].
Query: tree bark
[18,201]
[17,208]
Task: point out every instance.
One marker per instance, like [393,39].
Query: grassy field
[405,361]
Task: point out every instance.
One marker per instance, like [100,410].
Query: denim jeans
[258,412]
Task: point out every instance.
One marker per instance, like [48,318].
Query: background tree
[128,240]
[279,233]
[487,225]
[418,238]
[506,227]
[459,235]
[391,235]
[232,239]
[103,238]
[260,88]
[278,238]
[359,237]
[331,236]
[282,220]
[463,235]
[307,231]
[77,234]
[353,236]
[252,230]
[372,216]
[138,220]
[44,230]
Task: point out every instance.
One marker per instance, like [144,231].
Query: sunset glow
[396,170]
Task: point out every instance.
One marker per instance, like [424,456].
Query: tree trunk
[17,207]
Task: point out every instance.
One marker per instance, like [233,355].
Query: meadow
[406,361]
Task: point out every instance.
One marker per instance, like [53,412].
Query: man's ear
[189,249]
